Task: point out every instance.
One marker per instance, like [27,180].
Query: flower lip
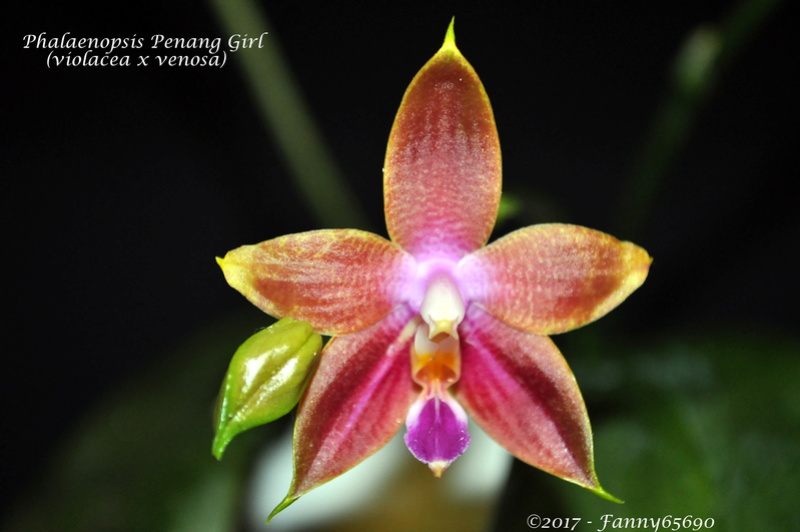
[437,431]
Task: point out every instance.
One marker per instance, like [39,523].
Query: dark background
[121,185]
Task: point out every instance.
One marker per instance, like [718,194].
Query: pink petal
[552,278]
[442,169]
[518,388]
[356,401]
[339,280]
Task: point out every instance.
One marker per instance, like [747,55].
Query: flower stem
[287,116]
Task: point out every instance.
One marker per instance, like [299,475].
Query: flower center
[443,307]
[435,364]
[437,425]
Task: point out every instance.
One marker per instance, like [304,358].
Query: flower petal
[339,280]
[519,389]
[552,278]
[356,401]
[442,169]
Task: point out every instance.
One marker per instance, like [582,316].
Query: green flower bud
[265,379]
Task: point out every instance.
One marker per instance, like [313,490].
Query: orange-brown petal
[519,389]
[552,278]
[442,170]
[356,401]
[339,280]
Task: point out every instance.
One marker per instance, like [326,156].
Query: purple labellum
[437,431]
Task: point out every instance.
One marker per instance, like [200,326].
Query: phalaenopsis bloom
[434,326]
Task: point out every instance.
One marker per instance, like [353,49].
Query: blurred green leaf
[704,426]
[711,431]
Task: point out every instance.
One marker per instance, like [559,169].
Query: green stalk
[286,115]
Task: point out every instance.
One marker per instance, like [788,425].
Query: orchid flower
[434,326]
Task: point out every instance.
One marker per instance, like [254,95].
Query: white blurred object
[479,473]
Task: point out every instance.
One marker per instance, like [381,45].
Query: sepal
[519,389]
[357,400]
[442,172]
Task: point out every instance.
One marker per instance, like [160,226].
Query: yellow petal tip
[450,36]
